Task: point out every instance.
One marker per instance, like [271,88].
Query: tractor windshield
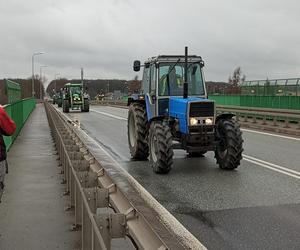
[76,90]
[172,84]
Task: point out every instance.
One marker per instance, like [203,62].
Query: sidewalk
[32,212]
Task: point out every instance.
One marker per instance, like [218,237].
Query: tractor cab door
[149,90]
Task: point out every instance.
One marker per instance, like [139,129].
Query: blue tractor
[172,112]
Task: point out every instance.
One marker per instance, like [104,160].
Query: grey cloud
[105,36]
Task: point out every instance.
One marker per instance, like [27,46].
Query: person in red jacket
[7,128]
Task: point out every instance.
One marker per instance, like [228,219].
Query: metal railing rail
[108,202]
[283,118]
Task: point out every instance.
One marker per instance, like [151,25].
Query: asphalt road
[256,206]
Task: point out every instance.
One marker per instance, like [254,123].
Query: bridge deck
[32,212]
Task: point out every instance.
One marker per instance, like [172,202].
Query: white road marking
[110,115]
[272,166]
[275,135]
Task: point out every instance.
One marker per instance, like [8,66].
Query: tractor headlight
[193,121]
[208,121]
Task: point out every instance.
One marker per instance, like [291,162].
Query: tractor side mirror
[136,65]
[201,64]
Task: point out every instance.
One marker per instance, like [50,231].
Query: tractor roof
[173,58]
[73,84]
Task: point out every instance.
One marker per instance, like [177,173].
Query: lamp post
[41,80]
[32,61]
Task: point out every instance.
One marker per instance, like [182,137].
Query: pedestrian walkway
[32,212]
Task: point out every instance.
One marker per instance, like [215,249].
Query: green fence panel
[13,90]
[19,112]
[224,100]
[275,102]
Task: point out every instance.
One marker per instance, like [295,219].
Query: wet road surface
[256,206]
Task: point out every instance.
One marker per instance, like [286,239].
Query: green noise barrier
[19,111]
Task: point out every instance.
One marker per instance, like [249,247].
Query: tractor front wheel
[66,106]
[230,147]
[161,149]
[137,131]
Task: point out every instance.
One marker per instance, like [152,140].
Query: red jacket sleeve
[7,125]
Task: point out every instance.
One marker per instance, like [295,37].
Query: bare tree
[237,78]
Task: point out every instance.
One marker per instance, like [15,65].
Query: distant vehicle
[173,107]
[59,98]
[75,98]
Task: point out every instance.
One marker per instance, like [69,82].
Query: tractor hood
[179,108]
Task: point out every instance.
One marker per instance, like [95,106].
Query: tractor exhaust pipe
[185,84]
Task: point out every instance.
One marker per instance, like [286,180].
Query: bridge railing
[108,202]
[19,111]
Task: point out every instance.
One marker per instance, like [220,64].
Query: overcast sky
[105,36]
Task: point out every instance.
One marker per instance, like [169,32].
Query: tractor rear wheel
[230,147]
[86,106]
[66,106]
[137,131]
[161,149]
[59,103]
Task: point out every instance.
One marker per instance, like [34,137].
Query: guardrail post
[275,121]
[96,197]
[111,226]
[287,122]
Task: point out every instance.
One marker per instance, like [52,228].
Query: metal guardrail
[108,202]
[283,118]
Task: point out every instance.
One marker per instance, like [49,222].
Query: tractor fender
[135,98]
[224,116]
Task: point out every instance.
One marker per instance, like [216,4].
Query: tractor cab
[163,79]
[173,106]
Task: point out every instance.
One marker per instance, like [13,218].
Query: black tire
[161,148]
[230,147]
[137,131]
[86,105]
[59,103]
[66,106]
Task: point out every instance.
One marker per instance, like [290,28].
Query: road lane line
[272,164]
[110,115]
[274,169]
[275,135]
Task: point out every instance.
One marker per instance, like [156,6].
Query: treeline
[107,86]
[99,86]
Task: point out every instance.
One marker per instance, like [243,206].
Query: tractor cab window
[76,90]
[171,80]
[153,79]
[146,80]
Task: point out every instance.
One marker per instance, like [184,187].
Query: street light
[32,60]
[41,80]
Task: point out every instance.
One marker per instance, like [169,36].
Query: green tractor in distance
[75,98]
[59,98]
